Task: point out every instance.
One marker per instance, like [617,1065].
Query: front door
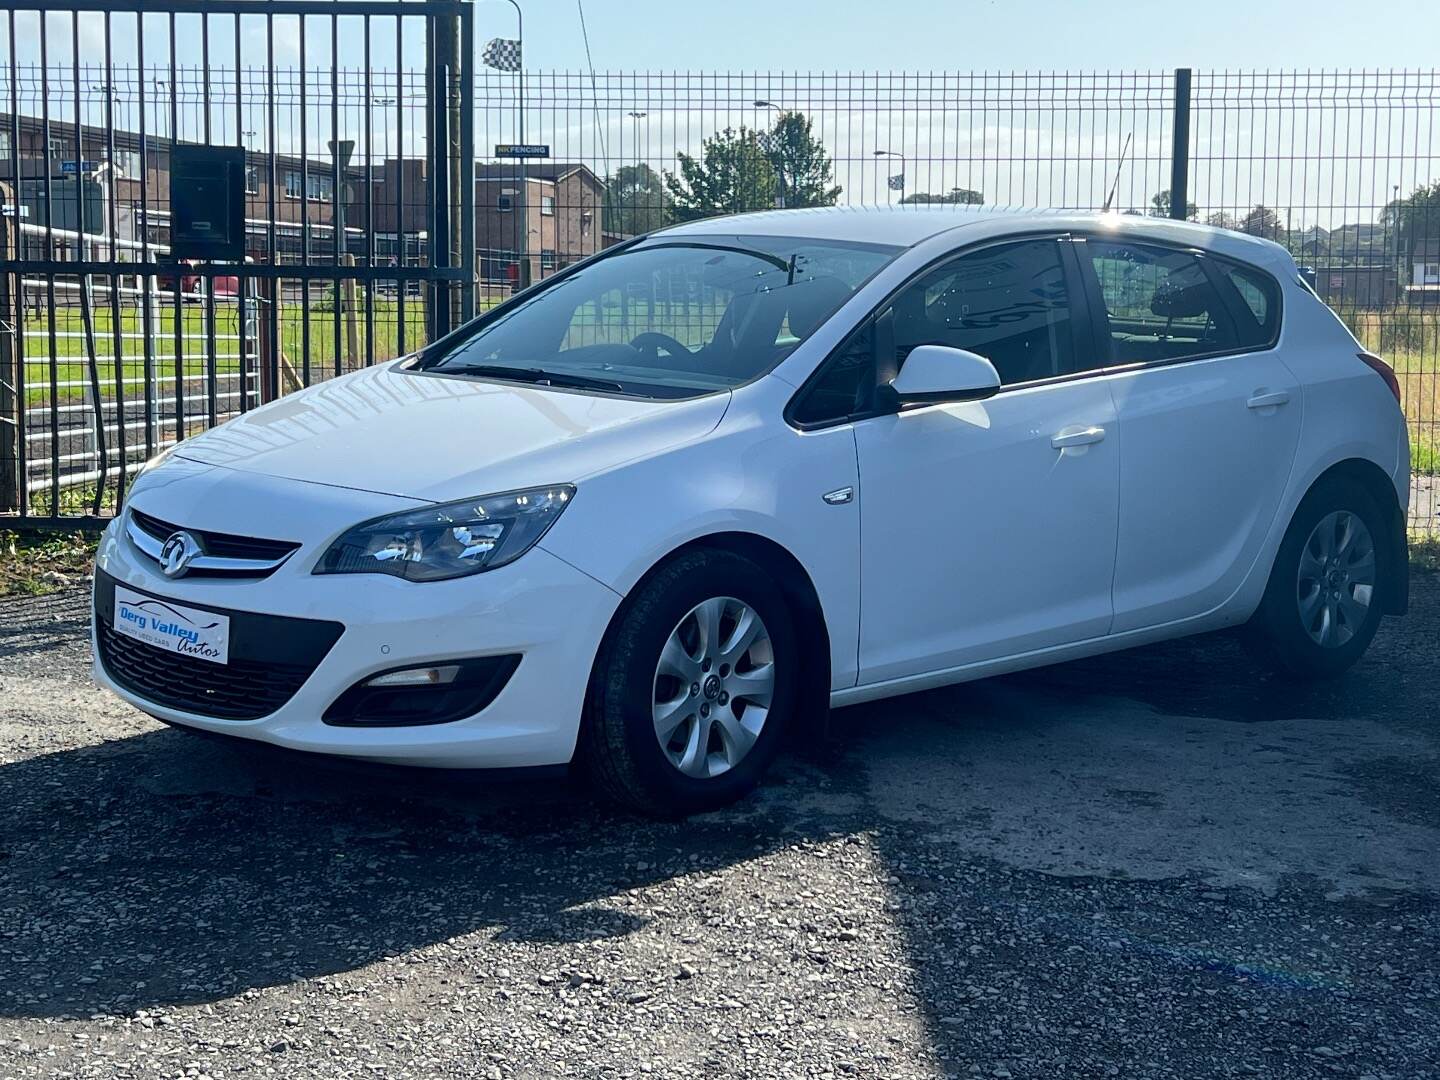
[988,528]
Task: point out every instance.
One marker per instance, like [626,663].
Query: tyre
[694,687]
[1323,602]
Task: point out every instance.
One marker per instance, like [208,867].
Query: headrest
[1181,301]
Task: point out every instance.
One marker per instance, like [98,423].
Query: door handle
[1083,436]
[1272,400]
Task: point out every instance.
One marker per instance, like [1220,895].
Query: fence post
[1180,148]
[11,290]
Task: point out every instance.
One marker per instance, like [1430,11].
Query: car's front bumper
[539,607]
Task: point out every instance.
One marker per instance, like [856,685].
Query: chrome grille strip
[151,547]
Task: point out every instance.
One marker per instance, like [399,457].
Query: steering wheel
[653,342]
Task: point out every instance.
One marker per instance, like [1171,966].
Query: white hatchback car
[667,505]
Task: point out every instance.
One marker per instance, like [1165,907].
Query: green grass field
[1410,342]
[72,366]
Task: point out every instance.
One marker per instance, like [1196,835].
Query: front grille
[270,658]
[238,690]
[221,545]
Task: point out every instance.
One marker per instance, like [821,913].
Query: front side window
[1007,303]
[252,180]
[294,185]
[672,317]
[547,205]
[504,203]
[1160,304]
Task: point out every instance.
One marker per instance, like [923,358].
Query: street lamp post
[780,167]
[522,211]
[341,151]
[636,116]
[888,186]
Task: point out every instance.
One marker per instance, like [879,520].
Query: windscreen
[671,317]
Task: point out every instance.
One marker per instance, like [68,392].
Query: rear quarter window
[1259,297]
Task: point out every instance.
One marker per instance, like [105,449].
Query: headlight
[450,540]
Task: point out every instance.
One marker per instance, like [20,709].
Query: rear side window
[1160,304]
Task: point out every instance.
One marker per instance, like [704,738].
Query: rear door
[1209,421]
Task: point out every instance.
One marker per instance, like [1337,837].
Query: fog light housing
[423,693]
[416,676]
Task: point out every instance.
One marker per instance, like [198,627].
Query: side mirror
[934,373]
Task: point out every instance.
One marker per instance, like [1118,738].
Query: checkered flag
[502,54]
[897,182]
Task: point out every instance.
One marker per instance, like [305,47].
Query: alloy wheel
[713,687]
[1336,580]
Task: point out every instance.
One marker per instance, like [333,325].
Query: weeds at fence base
[1425,552]
[33,564]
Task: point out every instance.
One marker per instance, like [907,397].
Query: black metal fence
[113,348]
[1341,167]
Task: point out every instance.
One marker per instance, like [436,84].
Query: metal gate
[354,118]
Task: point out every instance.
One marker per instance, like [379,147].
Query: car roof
[910,225]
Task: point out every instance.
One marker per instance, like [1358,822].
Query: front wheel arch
[801,597]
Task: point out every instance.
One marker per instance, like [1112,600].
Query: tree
[1263,222]
[636,201]
[1416,216]
[732,174]
[1221,220]
[802,167]
[1160,206]
[958,196]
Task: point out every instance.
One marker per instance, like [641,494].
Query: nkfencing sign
[522,150]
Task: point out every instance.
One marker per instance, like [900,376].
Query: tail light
[1384,370]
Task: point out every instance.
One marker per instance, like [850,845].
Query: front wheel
[693,688]
[1323,603]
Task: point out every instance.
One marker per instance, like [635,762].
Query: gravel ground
[1157,864]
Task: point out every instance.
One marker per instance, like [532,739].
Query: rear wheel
[1323,605]
[693,688]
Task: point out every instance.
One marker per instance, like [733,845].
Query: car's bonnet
[439,438]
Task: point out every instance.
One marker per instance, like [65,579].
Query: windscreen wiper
[539,376]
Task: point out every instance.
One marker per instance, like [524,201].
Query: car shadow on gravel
[165,869]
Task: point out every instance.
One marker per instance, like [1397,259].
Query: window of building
[1160,304]
[4,142]
[124,162]
[547,205]
[321,188]
[547,259]
[1432,272]
[505,203]
[252,179]
[294,185]
[1007,303]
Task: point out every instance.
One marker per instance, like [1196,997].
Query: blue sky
[964,140]
[987,35]
[866,35]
